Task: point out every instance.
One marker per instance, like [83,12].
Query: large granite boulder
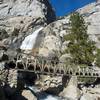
[28,95]
[71,91]
[88,96]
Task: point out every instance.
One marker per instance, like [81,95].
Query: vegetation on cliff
[80,46]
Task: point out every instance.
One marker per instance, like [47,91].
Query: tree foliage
[80,47]
[98,58]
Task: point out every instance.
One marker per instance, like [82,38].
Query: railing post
[35,63]
[17,60]
[25,63]
[42,65]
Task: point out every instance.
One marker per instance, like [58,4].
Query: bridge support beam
[71,91]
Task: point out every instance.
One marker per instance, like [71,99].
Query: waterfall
[30,41]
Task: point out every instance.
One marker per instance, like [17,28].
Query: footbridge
[43,65]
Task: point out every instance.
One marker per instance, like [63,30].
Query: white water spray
[30,41]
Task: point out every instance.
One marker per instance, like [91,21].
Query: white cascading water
[47,96]
[50,97]
[30,41]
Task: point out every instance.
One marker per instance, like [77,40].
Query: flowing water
[43,95]
[30,41]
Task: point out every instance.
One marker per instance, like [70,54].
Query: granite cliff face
[55,31]
[91,14]
[19,18]
[33,8]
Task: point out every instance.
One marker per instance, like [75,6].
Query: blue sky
[64,7]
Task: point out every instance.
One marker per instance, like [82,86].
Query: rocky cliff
[33,8]
[91,14]
[19,18]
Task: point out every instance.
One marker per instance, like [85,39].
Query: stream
[42,95]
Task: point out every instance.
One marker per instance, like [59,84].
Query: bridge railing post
[42,65]
[35,63]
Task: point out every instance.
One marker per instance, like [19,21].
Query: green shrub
[87,80]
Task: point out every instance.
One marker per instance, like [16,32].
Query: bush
[87,80]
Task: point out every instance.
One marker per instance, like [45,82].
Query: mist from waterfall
[30,41]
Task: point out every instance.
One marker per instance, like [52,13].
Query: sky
[64,7]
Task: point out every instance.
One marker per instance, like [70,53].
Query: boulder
[3,56]
[65,58]
[71,91]
[94,90]
[48,53]
[2,65]
[11,54]
[52,43]
[88,96]
[50,84]
[28,95]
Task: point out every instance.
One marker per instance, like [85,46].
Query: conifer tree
[80,47]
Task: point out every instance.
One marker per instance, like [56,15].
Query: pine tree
[80,47]
[98,58]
